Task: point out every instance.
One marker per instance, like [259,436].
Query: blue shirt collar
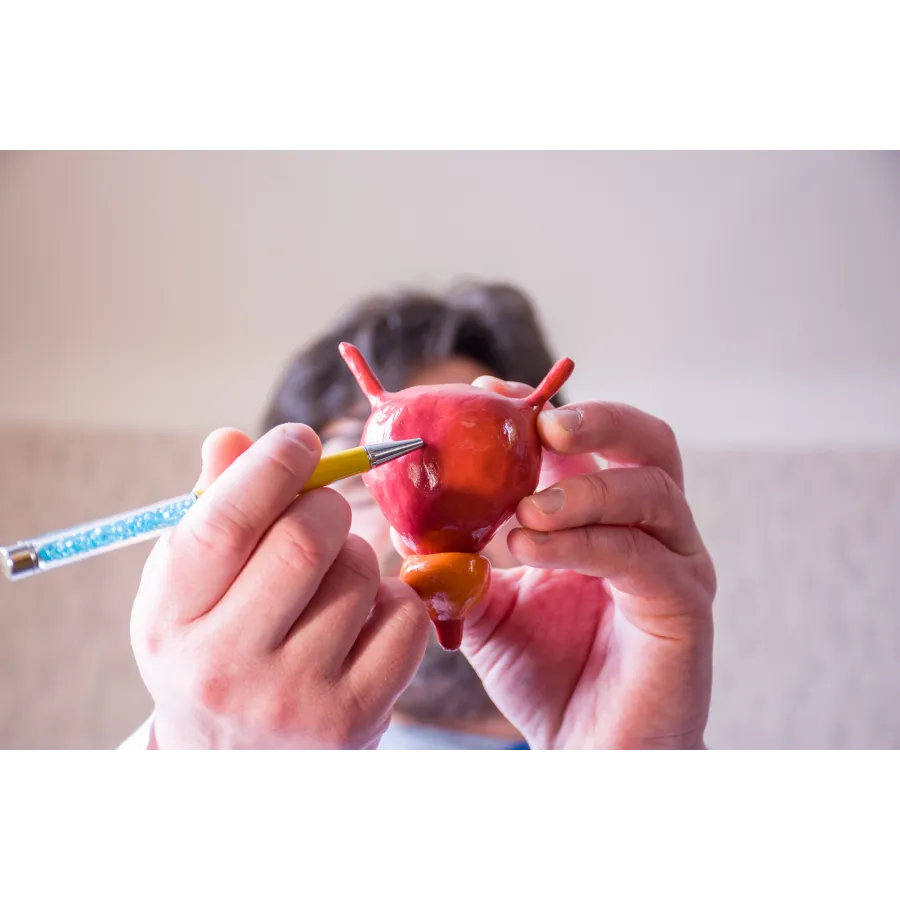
[429,737]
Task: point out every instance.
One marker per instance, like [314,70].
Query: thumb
[219,451]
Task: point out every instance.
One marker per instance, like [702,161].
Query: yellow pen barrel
[334,467]
[338,465]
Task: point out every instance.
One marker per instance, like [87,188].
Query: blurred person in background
[410,339]
[263,623]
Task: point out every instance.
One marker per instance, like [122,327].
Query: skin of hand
[603,638]
[260,622]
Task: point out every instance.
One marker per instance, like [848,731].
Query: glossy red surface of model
[482,455]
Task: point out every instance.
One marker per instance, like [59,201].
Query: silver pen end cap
[18,561]
[379,454]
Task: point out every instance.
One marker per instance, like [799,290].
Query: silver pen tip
[379,454]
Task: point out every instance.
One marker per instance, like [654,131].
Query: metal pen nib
[379,454]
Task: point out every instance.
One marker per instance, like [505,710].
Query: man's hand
[260,622]
[604,637]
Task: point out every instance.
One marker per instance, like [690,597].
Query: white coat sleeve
[142,739]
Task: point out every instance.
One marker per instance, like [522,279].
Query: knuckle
[404,632]
[362,710]
[660,483]
[149,628]
[352,720]
[210,688]
[311,533]
[705,573]
[343,730]
[359,559]
[379,730]
[226,530]
[600,493]
[661,494]
[631,544]
[411,618]
[277,713]
[284,460]
[669,443]
[589,541]
[668,505]
[667,435]
[407,615]
[614,414]
[298,546]
[146,639]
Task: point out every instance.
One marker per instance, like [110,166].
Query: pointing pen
[59,548]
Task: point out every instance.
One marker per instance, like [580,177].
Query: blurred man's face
[368,522]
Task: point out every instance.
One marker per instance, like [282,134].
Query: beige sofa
[808,621]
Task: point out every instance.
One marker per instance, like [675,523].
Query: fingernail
[567,419]
[537,537]
[304,435]
[549,501]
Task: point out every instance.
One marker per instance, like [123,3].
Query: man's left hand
[603,638]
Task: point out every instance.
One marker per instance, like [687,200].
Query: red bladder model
[482,455]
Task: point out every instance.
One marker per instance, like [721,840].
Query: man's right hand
[260,622]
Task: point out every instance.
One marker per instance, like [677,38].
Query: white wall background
[750,299]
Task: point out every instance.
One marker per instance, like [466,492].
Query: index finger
[617,432]
[211,544]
